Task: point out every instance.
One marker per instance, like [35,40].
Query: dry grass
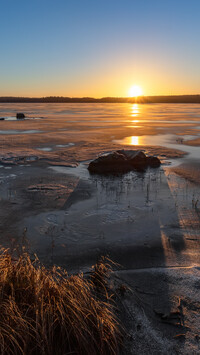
[48,312]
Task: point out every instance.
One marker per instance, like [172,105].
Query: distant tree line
[141,99]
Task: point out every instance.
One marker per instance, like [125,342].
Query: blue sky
[99,48]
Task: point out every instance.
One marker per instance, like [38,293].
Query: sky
[99,48]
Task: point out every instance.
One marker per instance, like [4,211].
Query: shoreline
[182,99]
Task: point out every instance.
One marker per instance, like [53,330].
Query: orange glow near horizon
[106,86]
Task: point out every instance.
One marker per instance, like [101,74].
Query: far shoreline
[168,99]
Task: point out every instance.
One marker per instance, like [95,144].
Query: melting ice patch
[13,131]
[65,145]
[46,149]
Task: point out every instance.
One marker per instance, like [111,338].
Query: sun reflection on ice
[134,140]
[135,110]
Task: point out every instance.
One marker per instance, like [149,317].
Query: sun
[135,91]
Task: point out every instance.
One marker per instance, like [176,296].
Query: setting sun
[135,91]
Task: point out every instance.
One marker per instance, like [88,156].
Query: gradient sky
[99,48]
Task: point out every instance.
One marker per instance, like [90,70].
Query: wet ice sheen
[166,140]
[14,131]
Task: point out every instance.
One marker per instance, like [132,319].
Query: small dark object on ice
[2,118]
[123,161]
[20,116]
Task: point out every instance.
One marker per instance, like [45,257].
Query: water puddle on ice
[46,149]
[13,131]
[79,171]
[65,145]
[166,140]
[49,149]
[13,118]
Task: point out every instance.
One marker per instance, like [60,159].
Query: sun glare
[135,91]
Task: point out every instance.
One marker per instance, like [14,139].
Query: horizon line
[97,98]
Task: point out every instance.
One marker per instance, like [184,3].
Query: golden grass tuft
[48,312]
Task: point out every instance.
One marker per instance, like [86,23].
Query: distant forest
[141,99]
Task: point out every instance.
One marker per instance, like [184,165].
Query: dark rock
[136,158]
[153,162]
[2,118]
[112,162]
[122,161]
[20,116]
